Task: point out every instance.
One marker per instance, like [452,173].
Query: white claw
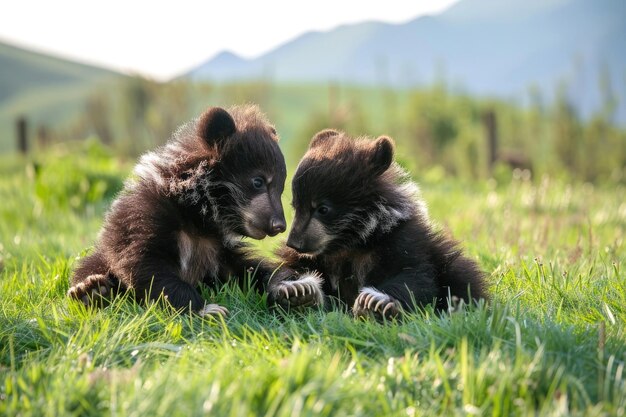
[361,300]
[285,291]
[370,301]
[303,288]
[380,303]
[298,286]
[212,309]
[387,307]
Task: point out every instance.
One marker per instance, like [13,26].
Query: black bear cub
[361,227]
[181,220]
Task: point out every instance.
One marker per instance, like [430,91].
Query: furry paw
[95,290]
[306,291]
[213,310]
[372,302]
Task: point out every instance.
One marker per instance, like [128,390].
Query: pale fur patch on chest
[360,266]
[199,257]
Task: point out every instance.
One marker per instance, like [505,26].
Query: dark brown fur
[181,220]
[360,223]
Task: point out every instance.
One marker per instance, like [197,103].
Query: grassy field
[552,342]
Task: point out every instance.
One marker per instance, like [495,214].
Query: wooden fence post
[22,139]
[491,127]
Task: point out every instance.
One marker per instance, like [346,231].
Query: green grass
[555,257]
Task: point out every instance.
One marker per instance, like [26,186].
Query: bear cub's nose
[295,244]
[277,226]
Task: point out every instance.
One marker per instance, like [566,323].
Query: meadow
[552,341]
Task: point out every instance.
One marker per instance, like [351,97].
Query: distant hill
[22,70]
[488,47]
[46,89]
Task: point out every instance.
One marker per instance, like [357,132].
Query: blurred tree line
[438,128]
[434,128]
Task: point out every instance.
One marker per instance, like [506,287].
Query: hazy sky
[162,39]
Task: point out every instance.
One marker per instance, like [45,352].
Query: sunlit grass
[552,341]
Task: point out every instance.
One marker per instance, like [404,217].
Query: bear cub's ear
[215,125]
[381,155]
[322,136]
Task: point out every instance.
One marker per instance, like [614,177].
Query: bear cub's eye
[323,210]
[258,182]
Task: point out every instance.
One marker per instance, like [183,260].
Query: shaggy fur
[180,221]
[361,224]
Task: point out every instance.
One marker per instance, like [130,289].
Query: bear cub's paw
[213,310]
[371,302]
[306,291]
[95,290]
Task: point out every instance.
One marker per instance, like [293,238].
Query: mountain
[489,47]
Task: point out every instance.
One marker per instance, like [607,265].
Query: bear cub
[362,234]
[180,221]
